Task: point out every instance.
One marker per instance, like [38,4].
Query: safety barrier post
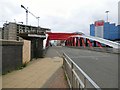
[72,74]
[73,78]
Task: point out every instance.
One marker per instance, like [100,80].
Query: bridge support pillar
[74,41]
[37,48]
[77,41]
[40,48]
[80,41]
[94,43]
[86,42]
[70,41]
[83,43]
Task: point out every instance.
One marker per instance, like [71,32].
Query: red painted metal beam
[74,41]
[60,36]
[78,42]
[98,43]
[83,43]
[90,44]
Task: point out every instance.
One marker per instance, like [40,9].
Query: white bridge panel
[101,40]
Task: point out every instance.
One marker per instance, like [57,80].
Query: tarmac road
[101,67]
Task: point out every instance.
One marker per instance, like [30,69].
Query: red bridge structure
[60,36]
[80,40]
[72,39]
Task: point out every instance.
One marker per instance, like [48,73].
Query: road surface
[101,67]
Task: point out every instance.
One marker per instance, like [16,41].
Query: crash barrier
[76,77]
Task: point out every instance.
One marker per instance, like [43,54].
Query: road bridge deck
[100,66]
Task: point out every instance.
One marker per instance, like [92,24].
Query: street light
[107,14]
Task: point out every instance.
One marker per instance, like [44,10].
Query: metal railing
[76,77]
[104,41]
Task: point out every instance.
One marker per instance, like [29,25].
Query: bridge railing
[76,77]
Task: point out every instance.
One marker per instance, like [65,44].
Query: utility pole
[107,14]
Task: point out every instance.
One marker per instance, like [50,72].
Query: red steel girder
[60,36]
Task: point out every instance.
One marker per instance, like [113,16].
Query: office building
[105,30]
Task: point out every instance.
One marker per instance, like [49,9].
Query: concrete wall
[5,30]
[40,51]
[11,55]
[0,33]
[37,50]
[26,51]
[10,31]
[0,67]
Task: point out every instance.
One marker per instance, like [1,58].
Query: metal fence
[76,77]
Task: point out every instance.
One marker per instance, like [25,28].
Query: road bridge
[78,39]
[100,66]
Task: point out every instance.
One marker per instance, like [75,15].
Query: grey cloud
[9,10]
[78,19]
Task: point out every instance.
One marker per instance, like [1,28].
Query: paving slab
[35,75]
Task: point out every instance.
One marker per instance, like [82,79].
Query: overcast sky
[59,15]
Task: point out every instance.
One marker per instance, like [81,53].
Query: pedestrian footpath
[39,73]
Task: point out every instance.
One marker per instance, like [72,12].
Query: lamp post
[107,14]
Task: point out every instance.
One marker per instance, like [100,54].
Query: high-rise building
[105,30]
[99,29]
